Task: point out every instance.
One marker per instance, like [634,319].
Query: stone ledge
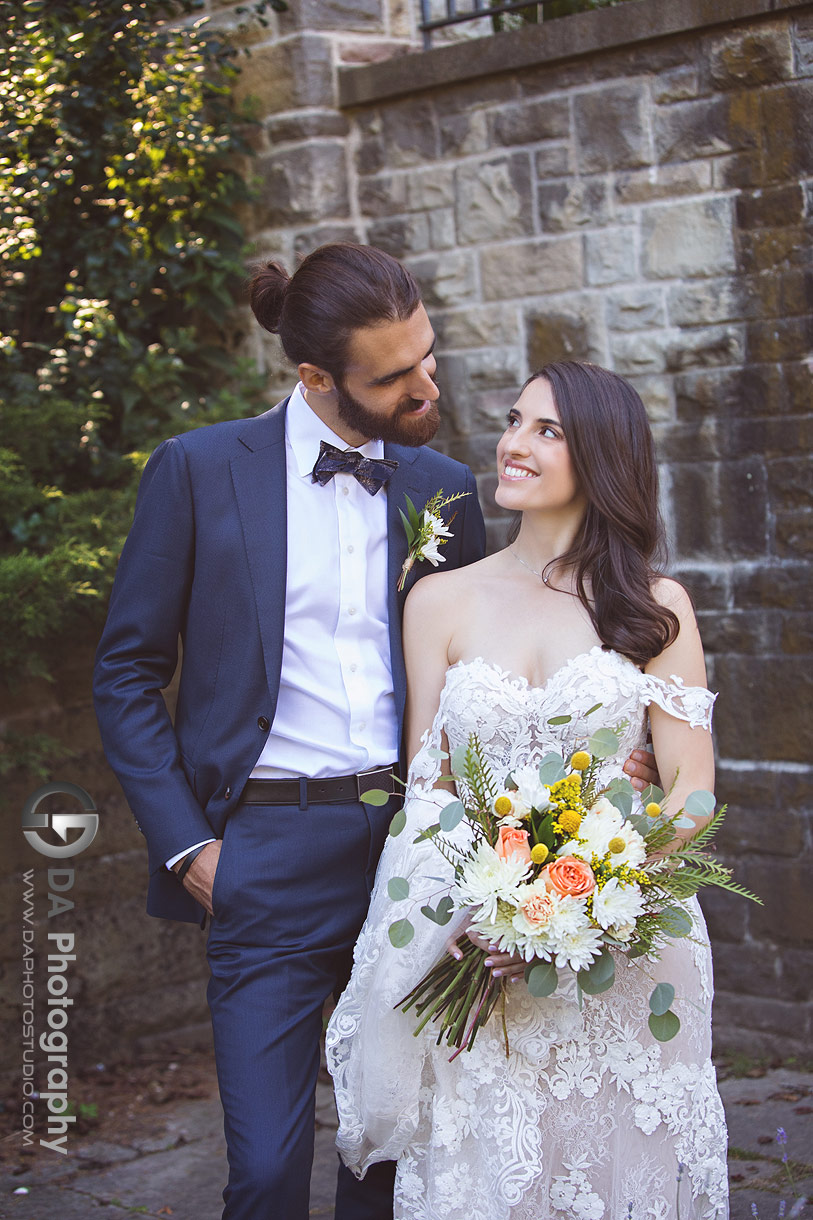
[564,38]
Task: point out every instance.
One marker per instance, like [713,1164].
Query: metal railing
[530,14]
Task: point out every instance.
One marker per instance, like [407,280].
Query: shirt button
[350,549]
[362,726]
[351,610]
[263,723]
[353,667]
[345,491]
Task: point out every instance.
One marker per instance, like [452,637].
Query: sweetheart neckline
[507,675]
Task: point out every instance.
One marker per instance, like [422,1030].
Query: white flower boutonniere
[426,531]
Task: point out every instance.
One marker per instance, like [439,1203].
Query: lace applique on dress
[589,1114]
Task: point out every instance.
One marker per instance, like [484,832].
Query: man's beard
[400,428]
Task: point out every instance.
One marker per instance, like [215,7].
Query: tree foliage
[120,252]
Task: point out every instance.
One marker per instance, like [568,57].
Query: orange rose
[513,843]
[568,875]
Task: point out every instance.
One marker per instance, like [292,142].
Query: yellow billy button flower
[539,853]
[616,845]
[569,820]
[580,760]
[653,809]
[503,806]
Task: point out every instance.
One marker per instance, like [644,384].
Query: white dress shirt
[336,708]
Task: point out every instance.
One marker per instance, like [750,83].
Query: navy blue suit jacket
[205,562]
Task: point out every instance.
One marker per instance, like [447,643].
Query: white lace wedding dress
[589,1117]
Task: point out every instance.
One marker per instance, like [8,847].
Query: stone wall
[631,186]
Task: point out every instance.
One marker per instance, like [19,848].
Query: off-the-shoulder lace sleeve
[691,703]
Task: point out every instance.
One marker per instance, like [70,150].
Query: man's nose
[424,385]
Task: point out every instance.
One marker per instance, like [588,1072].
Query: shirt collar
[304,432]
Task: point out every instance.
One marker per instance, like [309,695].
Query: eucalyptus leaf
[428,832]
[398,888]
[459,760]
[621,800]
[594,708]
[684,824]
[398,823]
[603,743]
[551,770]
[641,823]
[661,999]
[665,1026]
[700,804]
[560,719]
[451,815]
[442,914]
[542,978]
[599,976]
[375,796]
[652,794]
[400,933]
[675,922]
[439,754]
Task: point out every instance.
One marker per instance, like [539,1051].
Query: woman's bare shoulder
[672,594]
[441,592]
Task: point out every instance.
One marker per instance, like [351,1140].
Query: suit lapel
[260,486]
[408,480]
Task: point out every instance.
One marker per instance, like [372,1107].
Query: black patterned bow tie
[372,473]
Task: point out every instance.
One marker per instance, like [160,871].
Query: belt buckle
[368,775]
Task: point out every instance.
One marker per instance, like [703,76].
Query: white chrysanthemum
[579,948]
[530,788]
[438,526]
[634,852]
[600,824]
[617,906]
[519,809]
[499,929]
[487,878]
[569,915]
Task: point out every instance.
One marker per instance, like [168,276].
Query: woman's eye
[548,431]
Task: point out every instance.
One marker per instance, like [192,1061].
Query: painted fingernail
[516,978]
[488,962]
[497,974]
[492,948]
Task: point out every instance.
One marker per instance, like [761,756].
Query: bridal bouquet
[560,870]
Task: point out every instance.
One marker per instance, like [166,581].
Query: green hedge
[121,254]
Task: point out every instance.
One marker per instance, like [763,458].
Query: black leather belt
[305,792]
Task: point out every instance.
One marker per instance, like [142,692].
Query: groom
[277,568]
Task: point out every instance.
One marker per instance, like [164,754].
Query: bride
[588,1118]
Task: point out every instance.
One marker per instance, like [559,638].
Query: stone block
[701,302]
[779,339]
[552,160]
[694,498]
[531,268]
[708,586]
[371,51]
[756,391]
[771,208]
[442,234]
[663,182]
[612,128]
[690,238]
[657,396]
[382,194]
[756,1025]
[493,199]
[738,170]
[409,132]
[787,121]
[311,126]
[303,183]
[446,279]
[763,720]
[287,75]
[796,634]
[571,331]
[802,34]
[738,631]
[794,534]
[477,326]
[366,15]
[706,128]
[319,235]
[726,917]
[463,133]
[763,976]
[430,188]
[786,585]
[787,915]
[609,256]
[791,481]
[676,84]
[401,236]
[713,345]
[573,204]
[635,308]
[529,122]
[747,58]
[640,354]
[771,250]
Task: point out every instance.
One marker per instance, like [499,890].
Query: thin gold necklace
[543,576]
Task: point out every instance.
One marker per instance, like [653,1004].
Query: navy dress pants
[290,895]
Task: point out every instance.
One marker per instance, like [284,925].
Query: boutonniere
[426,531]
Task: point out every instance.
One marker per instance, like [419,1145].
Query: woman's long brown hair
[620,547]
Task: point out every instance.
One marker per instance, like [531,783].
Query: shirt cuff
[186,851]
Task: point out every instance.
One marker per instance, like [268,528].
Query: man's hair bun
[267,295]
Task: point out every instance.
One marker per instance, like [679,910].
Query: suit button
[264,723]
[227,793]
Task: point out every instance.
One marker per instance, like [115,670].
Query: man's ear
[316,380]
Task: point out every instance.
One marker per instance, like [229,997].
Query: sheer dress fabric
[589,1117]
